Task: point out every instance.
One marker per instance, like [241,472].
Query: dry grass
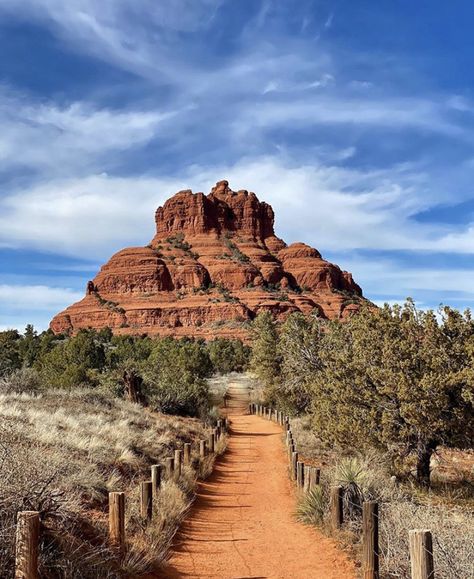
[62,452]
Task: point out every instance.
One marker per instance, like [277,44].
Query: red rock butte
[213,265]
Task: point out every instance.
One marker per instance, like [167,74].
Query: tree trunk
[424,451]
[133,387]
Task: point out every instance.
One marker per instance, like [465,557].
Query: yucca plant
[351,474]
[312,506]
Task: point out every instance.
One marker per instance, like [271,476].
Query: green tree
[29,346]
[10,357]
[298,348]
[174,376]
[228,355]
[73,362]
[265,360]
[398,379]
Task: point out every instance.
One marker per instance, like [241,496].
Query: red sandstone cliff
[213,264]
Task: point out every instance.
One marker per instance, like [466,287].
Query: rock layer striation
[212,266]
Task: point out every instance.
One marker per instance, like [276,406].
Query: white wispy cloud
[39,297]
[130,34]
[62,139]
[385,112]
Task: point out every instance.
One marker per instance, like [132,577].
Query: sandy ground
[242,524]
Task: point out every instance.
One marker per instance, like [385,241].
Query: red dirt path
[242,524]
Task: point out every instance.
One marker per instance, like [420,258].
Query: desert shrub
[399,380]
[396,379]
[24,380]
[298,347]
[228,355]
[72,362]
[175,377]
[235,252]
[351,475]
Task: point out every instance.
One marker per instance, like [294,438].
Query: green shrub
[228,355]
[312,506]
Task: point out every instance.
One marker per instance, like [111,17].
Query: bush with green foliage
[265,361]
[175,374]
[10,357]
[73,362]
[228,355]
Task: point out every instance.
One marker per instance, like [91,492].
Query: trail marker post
[187,453]
[178,460]
[156,471]
[169,467]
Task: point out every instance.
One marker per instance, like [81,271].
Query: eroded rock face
[214,263]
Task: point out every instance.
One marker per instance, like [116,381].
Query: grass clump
[312,506]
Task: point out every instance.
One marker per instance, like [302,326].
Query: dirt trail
[242,524]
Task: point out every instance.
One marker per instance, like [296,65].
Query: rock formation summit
[213,265]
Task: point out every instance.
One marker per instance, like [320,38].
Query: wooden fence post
[421,554]
[146,500]
[211,443]
[169,466]
[317,476]
[336,507]
[156,479]
[117,521]
[202,449]
[294,465]
[187,453]
[27,544]
[291,450]
[307,478]
[370,540]
[178,460]
[314,477]
[300,475]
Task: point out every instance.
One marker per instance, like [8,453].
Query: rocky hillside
[214,263]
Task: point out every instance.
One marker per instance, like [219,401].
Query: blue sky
[355,120]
